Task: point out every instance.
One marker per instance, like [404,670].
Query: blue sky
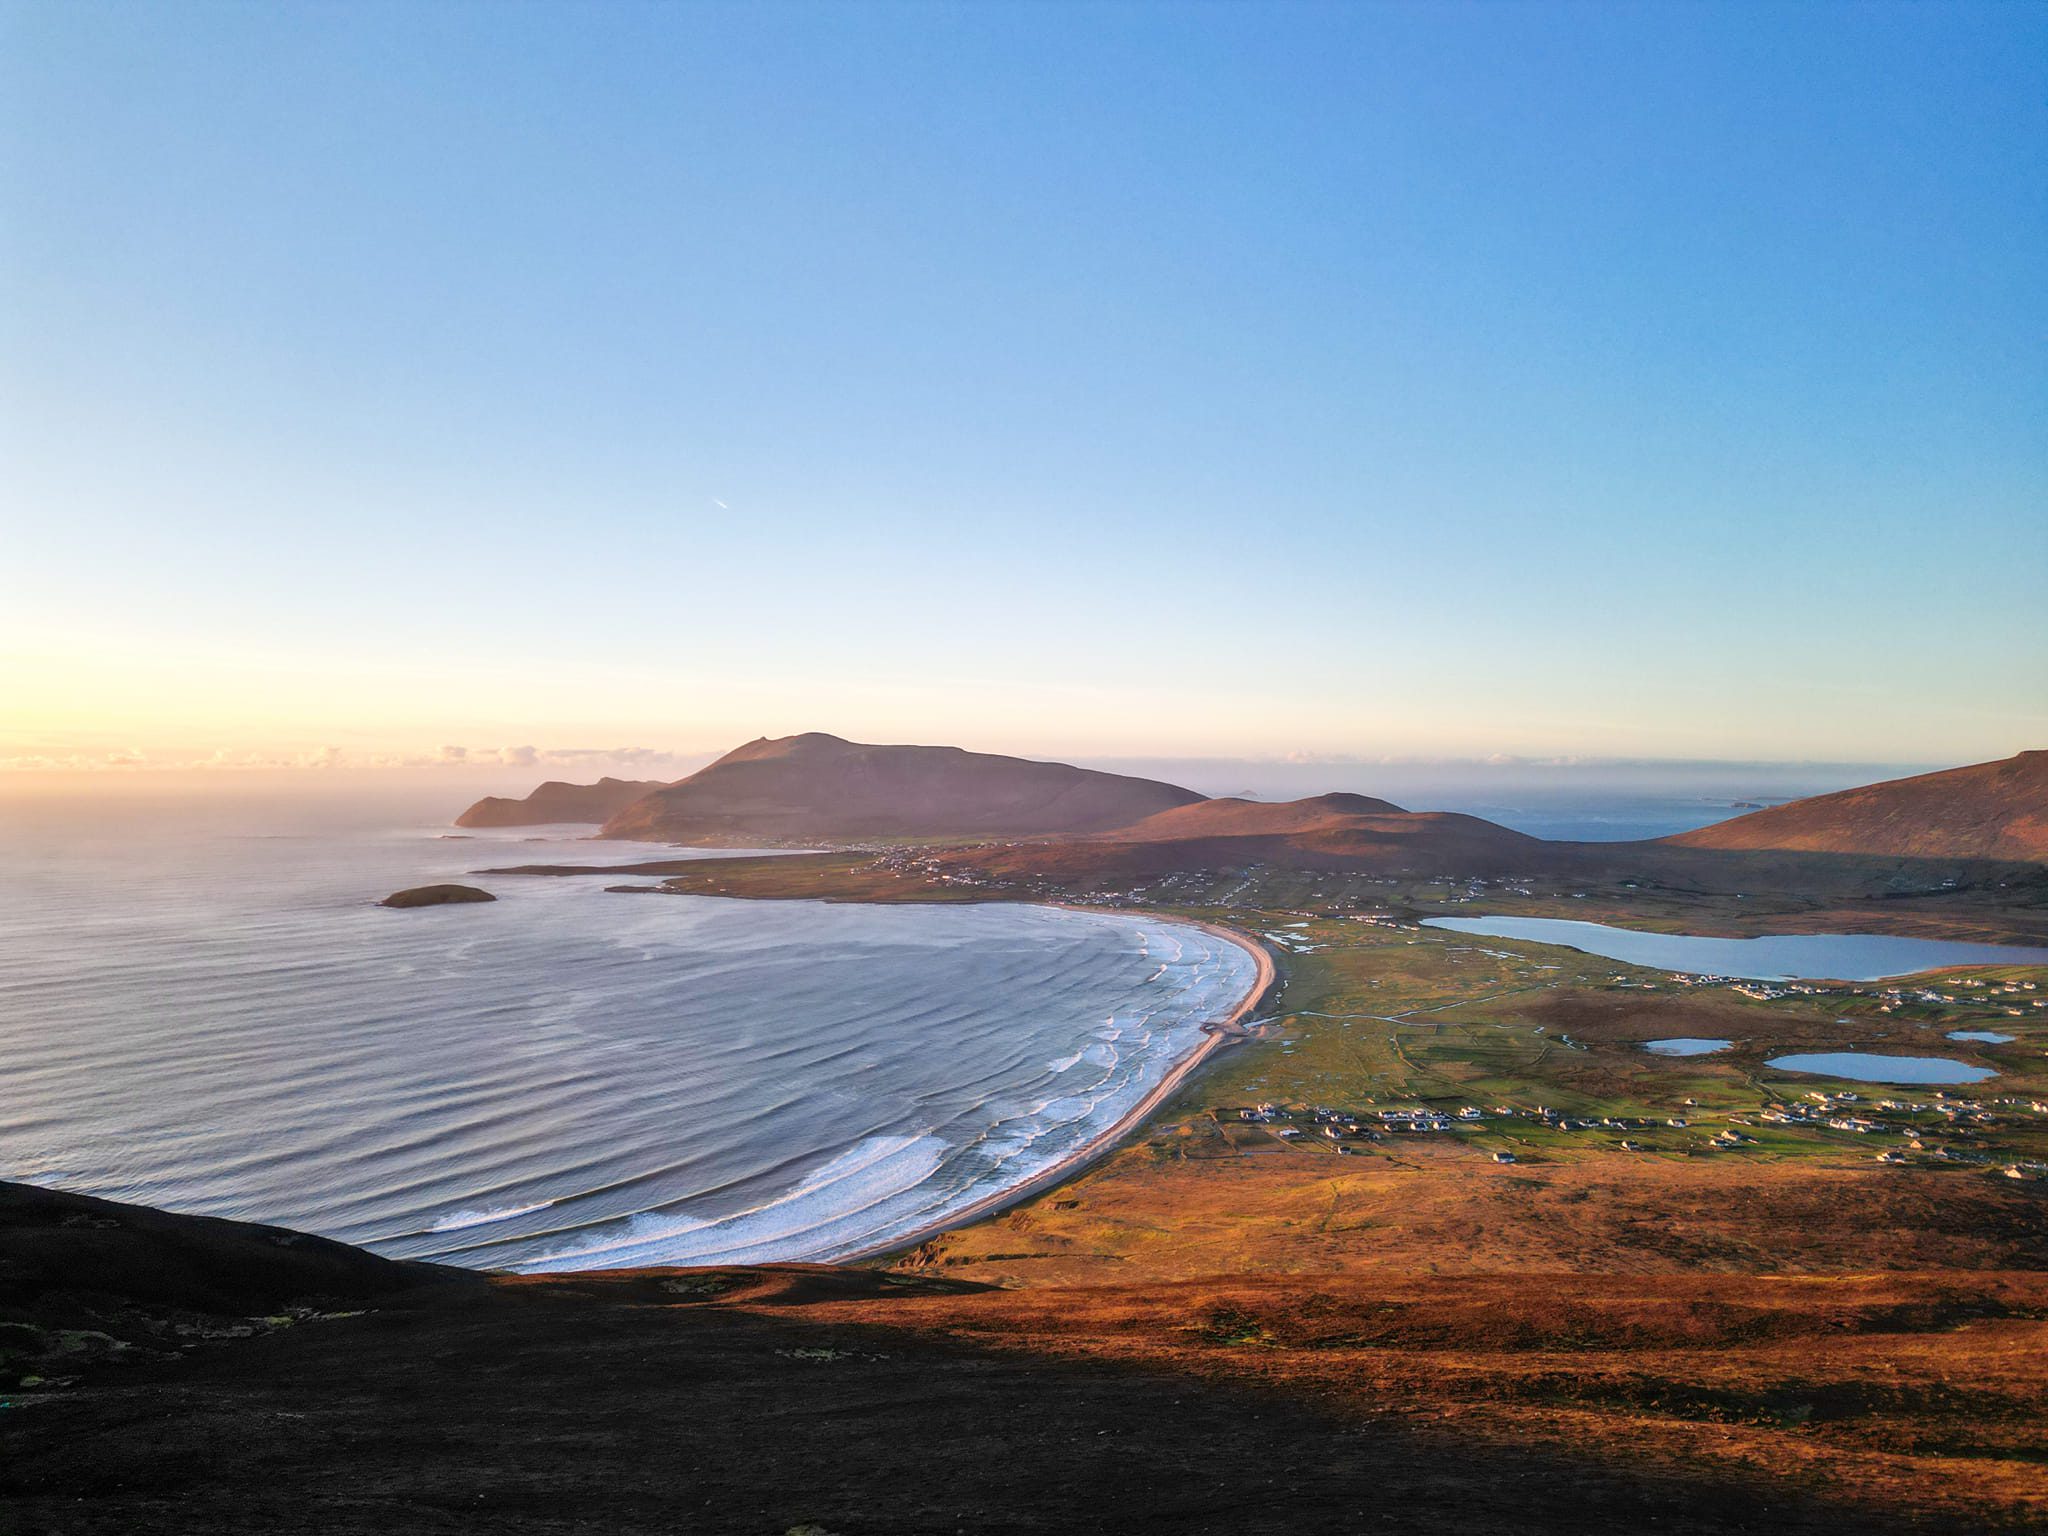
[1659,380]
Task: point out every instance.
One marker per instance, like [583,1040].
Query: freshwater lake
[1778,957]
[1862,1067]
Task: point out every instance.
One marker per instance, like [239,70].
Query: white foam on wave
[825,1213]
[458,1221]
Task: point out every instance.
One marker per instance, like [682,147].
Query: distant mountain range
[821,789]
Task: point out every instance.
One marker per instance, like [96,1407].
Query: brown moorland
[1996,811]
[865,1402]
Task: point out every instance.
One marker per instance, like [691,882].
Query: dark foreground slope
[819,788]
[1993,811]
[867,1402]
[556,802]
[85,1280]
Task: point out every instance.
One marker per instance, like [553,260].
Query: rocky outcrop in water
[436,896]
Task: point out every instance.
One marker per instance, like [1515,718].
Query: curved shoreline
[1216,1034]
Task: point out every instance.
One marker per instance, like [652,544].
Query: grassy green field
[1375,1017]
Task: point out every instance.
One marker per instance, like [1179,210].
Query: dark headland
[556,802]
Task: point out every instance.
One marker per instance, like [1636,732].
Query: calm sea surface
[223,1022]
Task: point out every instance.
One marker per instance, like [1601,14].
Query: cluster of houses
[1824,1112]
[2009,996]
[1956,1116]
[1845,1111]
[1339,1125]
[1377,1124]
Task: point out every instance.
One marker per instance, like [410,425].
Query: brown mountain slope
[821,788]
[1259,818]
[556,801]
[1335,831]
[1987,811]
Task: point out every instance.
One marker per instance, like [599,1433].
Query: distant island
[436,896]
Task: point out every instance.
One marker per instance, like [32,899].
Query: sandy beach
[1217,1034]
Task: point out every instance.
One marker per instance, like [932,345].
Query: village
[1942,1129]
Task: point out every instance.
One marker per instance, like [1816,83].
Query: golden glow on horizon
[98,710]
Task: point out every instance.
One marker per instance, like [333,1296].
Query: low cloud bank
[590,760]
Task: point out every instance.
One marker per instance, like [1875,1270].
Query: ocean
[204,1010]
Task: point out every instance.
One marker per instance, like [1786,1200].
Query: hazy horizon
[1588,800]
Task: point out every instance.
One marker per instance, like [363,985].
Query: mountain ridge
[557,801]
[817,787]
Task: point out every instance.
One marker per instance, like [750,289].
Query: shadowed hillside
[819,788]
[1987,811]
[556,801]
[84,1281]
[737,1402]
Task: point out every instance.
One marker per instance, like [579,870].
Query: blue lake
[1778,957]
[1856,1067]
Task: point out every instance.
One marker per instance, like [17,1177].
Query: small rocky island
[435,896]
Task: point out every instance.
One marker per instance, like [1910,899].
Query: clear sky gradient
[1605,380]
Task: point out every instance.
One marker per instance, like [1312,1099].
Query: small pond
[1686,1045]
[1988,1036]
[1857,1067]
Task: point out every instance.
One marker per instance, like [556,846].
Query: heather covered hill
[1237,817]
[821,788]
[1996,811]
[556,801]
[1337,831]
